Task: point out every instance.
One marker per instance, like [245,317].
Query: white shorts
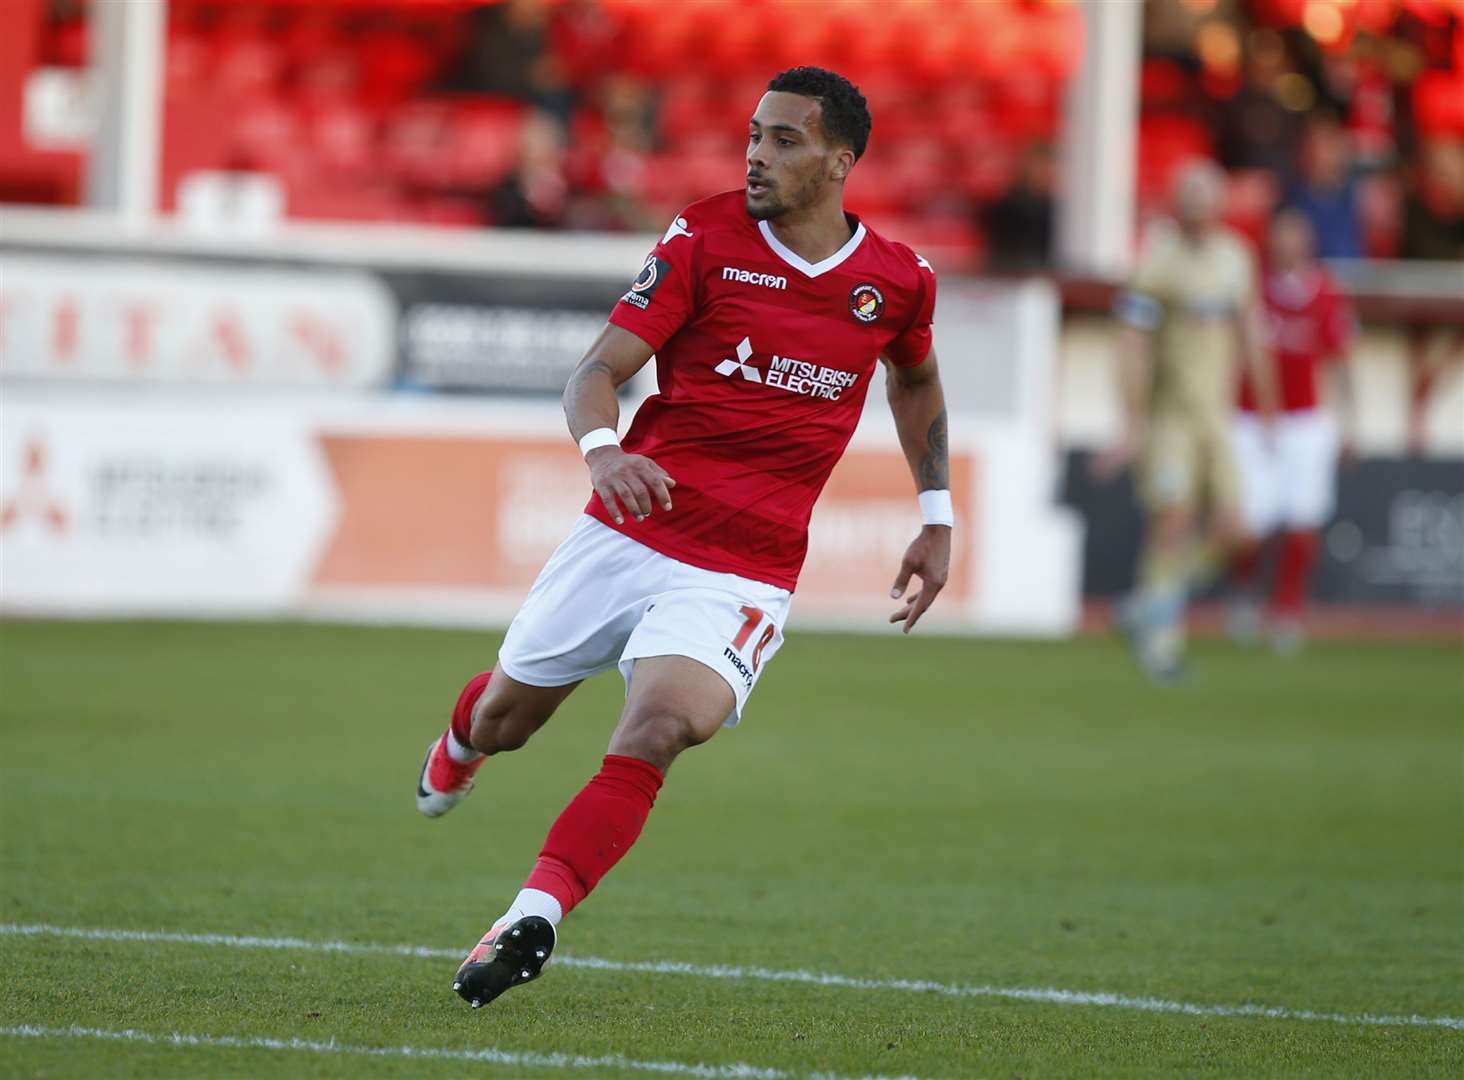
[1290,484]
[603,601]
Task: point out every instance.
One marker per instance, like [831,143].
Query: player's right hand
[628,483]
[1109,462]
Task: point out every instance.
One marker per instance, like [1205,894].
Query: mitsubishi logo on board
[34,500]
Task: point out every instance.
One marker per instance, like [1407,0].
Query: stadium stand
[609,114]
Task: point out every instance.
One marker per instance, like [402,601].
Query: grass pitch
[1287,833]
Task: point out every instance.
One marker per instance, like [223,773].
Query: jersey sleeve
[912,345]
[663,294]
[1140,303]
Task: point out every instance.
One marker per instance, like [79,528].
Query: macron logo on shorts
[742,669]
[748,277]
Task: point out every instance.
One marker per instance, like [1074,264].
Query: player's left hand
[929,557]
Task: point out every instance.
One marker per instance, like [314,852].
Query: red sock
[462,712]
[1293,572]
[1245,565]
[596,829]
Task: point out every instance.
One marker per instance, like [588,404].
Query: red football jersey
[763,361]
[1309,322]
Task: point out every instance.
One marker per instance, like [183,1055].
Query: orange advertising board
[485,513]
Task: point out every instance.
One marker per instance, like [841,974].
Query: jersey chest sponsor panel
[763,368]
[1308,323]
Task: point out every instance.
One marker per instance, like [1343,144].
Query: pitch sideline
[486,1055]
[1043,995]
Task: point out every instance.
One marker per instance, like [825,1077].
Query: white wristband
[601,436]
[936,508]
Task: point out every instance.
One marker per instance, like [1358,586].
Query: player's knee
[1171,527]
[657,736]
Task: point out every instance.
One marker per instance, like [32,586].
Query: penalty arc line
[484,1055]
[1041,995]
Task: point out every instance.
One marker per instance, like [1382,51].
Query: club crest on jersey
[647,282]
[866,303]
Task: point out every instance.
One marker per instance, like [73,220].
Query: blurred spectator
[508,54]
[1325,190]
[612,143]
[321,95]
[1433,209]
[1356,85]
[536,193]
[1019,224]
[1256,129]
[1433,228]
[590,41]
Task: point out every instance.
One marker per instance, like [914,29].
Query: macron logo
[744,352]
[747,277]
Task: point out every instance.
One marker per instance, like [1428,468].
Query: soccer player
[1190,306]
[1288,486]
[766,309]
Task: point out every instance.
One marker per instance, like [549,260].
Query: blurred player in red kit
[766,309]
[1288,482]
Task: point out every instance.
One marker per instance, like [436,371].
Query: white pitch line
[484,1055]
[1044,995]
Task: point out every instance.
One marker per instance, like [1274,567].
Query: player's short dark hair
[844,113]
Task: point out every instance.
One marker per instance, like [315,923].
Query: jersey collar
[1296,289]
[798,262]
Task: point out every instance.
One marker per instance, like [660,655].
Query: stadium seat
[343,138]
[395,64]
[68,44]
[245,63]
[1438,103]
[337,95]
[483,136]
[1167,140]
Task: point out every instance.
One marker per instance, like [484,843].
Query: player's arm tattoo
[935,466]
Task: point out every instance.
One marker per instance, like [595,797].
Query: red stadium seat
[343,138]
[484,138]
[186,60]
[416,143]
[395,64]
[874,188]
[1250,196]
[1438,103]
[330,96]
[1166,141]
[1163,82]
[68,44]
[268,131]
[246,63]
